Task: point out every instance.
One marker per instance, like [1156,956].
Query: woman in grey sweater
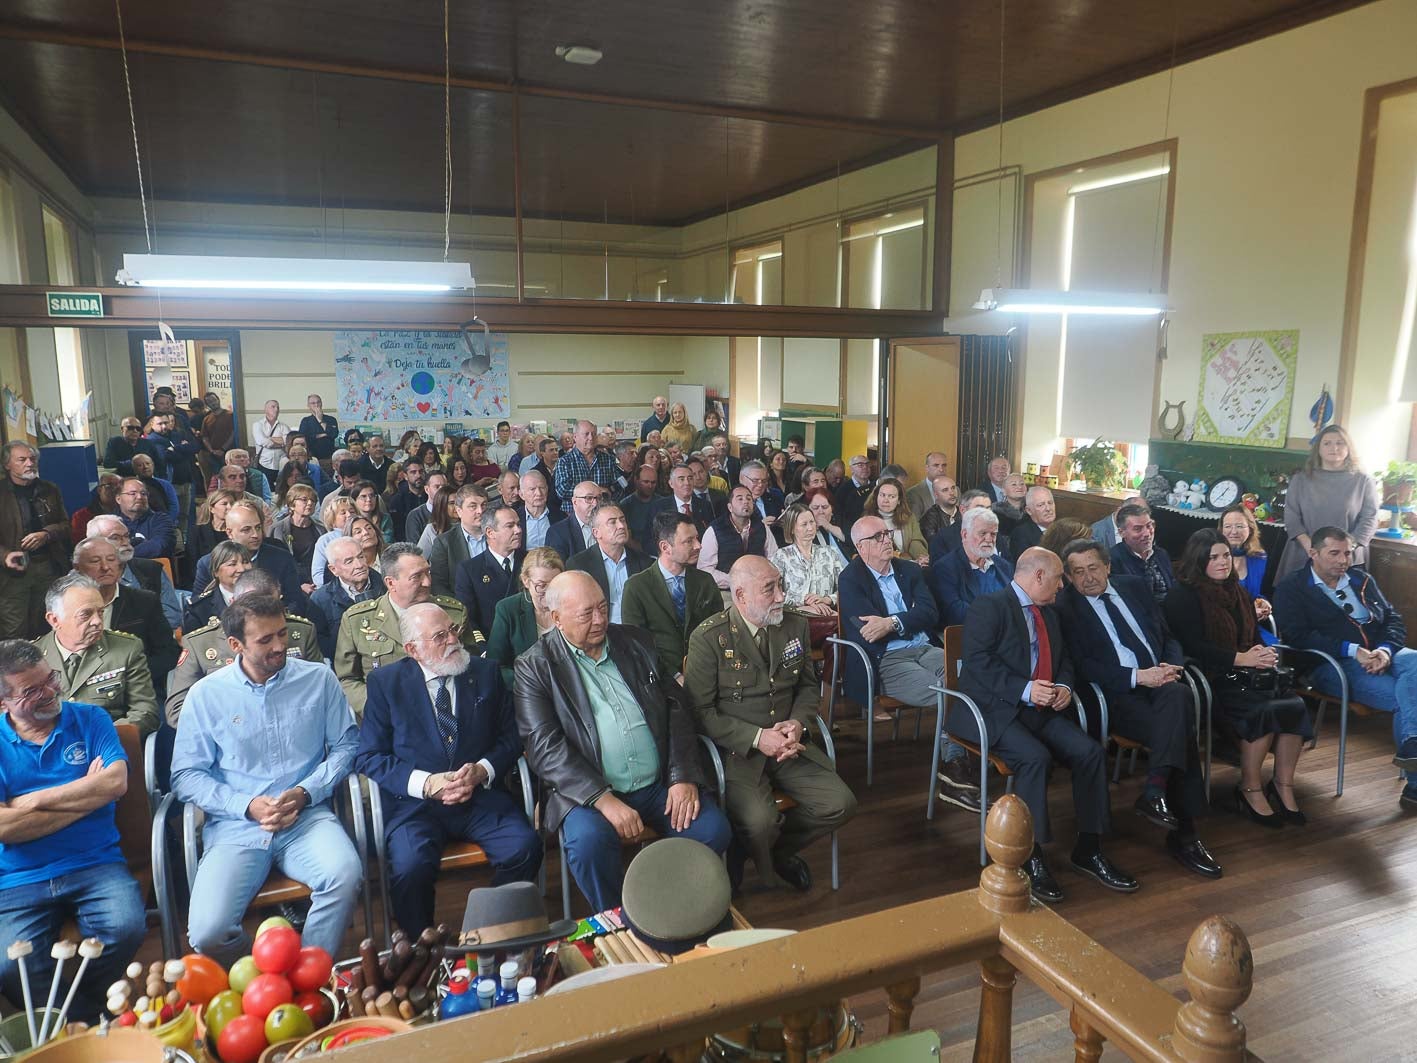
[1331,489]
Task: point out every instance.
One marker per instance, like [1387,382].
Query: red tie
[1044,668]
[684,508]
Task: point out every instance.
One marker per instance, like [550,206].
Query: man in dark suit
[731,466]
[141,572]
[245,525]
[572,535]
[1119,641]
[590,677]
[767,500]
[129,609]
[1040,513]
[419,516]
[973,570]
[673,596]
[1017,671]
[536,514]
[682,499]
[349,580]
[482,581]
[887,609]
[460,542]
[548,453]
[854,490]
[946,541]
[993,486]
[118,455]
[717,500]
[374,462]
[438,733]
[610,559]
[1137,553]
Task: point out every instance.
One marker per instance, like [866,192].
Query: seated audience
[625,466]
[103,501]
[779,475]
[374,465]
[851,494]
[767,499]
[437,738]
[291,475]
[104,668]
[921,495]
[974,569]
[1214,617]
[1010,510]
[128,610]
[811,477]
[522,618]
[998,474]
[481,471]
[256,481]
[1242,532]
[210,528]
[610,560]
[162,495]
[548,453]
[139,572]
[1039,514]
[582,462]
[1017,670]
[509,489]
[536,513]
[671,598]
[152,533]
[1137,553]
[351,581]
[943,509]
[887,501]
[481,582]
[266,791]
[526,451]
[681,499]
[335,511]
[589,678]
[829,534]
[1119,641]
[408,496]
[739,531]
[443,516]
[299,530]
[419,516]
[835,473]
[809,569]
[349,475]
[754,689]
[1063,531]
[461,540]
[118,454]
[244,526]
[947,539]
[369,503]
[59,847]
[641,505]
[713,425]
[887,608]
[572,535]
[1336,607]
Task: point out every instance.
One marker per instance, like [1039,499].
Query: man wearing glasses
[118,455]
[151,531]
[1337,608]
[438,734]
[62,771]
[1138,555]
[852,494]
[571,536]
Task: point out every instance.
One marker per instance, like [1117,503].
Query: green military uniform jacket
[205,650]
[647,604]
[369,636]
[112,674]
[735,692]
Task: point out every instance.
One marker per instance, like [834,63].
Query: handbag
[1269,682]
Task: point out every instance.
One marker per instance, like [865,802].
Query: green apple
[220,1010]
[288,1022]
[275,920]
[241,973]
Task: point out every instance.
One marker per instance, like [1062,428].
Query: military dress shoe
[1099,867]
[1157,812]
[956,775]
[1041,882]
[794,871]
[1193,856]
[1406,758]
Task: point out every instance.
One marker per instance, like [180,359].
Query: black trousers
[1164,720]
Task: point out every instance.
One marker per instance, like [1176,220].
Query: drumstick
[17,952]
[639,948]
[617,943]
[89,949]
[61,951]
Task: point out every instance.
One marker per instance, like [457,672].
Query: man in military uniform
[206,649]
[750,679]
[369,632]
[104,668]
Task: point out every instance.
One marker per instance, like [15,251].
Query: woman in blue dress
[1240,529]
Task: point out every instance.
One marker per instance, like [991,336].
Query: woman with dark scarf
[1213,616]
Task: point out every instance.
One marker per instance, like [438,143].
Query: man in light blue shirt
[536,513]
[261,746]
[610,559]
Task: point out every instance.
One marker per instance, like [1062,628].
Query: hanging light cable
[447,138]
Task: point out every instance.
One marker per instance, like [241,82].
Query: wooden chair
[166,563]
[457,855]
[883,702]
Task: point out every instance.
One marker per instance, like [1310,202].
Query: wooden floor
[1329,908]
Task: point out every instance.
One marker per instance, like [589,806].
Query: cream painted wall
[1268,149]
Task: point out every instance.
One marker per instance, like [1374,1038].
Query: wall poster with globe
[421,376]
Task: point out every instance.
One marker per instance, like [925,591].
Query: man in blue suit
[438,735]
[767,500]
[483,581]
[887,608]
[973,569]
[1137,554]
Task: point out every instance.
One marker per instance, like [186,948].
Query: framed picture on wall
[205,360]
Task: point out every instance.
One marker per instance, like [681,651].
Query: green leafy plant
[1398,472]
[1099,464]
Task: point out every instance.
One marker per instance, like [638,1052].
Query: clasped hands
[1046,695]
[1158,675]
[1374,662]
[782,741]
[275,814]
[454,787]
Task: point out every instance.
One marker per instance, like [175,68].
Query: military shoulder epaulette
[214,622]
[362,607]
[297,616]
[123,634]
[716,619]
[446,600]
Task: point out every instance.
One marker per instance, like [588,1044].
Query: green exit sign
[74,304]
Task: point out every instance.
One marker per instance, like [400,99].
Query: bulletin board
[1246,387]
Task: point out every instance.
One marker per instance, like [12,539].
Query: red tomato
[242,1040]
[276,951]
[264,993]
[312,968]
[203,979]
[317,1006]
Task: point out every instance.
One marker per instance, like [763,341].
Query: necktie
[507,566]
[685,509]
[443,713]
[676,591]
[71,668]
[1044,668]
[1142,652]
[761,641]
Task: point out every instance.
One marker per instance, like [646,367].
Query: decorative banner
[420,376]
[1246,387]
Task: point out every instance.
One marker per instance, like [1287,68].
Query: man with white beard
[438,734]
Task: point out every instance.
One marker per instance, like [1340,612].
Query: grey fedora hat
[507,917]
[676,894]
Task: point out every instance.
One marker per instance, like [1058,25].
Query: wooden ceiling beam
[20,32]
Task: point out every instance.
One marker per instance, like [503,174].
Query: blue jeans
[315,850]
[104,902]
[591,847]
[1394,691]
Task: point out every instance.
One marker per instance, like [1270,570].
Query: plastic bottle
[507,991]
[486,972]
[459,1000]
[486,995]
[526,989]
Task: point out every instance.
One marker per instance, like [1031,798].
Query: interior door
[922,402]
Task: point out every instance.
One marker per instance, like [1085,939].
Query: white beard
[454,663]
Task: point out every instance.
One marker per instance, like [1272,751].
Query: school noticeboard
[1246,387]
[420,376]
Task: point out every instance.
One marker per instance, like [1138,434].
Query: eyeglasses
[879,537]
[588,498]
[441,638]
[36,694]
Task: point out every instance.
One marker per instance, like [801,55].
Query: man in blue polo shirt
[62,770]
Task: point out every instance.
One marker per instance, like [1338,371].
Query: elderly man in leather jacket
[614,743]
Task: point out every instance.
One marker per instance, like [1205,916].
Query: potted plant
[1399,480]
[1100,465]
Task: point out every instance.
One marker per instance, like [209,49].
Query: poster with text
[418,376]
[1246,387]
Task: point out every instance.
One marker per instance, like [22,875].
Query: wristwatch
[308,800]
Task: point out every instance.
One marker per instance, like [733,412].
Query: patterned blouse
[802,577]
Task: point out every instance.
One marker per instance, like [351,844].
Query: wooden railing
[998,926]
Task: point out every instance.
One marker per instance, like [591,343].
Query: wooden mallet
[89,949]
[17,952]
[61,951]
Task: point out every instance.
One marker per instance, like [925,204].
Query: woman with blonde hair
[211,522]
[335,510]
[679,429]
[522,618]
[809,569]
[887,501]
[1331,490]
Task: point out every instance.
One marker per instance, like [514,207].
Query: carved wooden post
[1219,972]
[796,1030]
[1087,1042]
[1003,890]
[902,1004]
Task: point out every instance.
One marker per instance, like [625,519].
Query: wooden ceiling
[695,105]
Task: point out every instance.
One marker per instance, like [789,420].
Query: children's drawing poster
[1246,387]
[421,376]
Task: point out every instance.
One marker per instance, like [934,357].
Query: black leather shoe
[1041,882]
[1292,816]
[1099,867]
[1157,812]
[794,871]
[956,775]
[295,912]
[1193,856]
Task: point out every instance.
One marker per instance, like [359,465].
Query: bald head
[579,610]
[1040,573]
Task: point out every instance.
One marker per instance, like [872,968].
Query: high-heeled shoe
[1248,810]
[1289,815]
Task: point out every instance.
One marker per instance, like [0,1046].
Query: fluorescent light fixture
[1041,301]
[292,274]
[1120,179]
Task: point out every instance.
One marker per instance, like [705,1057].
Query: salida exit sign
[74,304]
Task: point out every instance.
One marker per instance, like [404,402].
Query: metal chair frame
[838,673]
[1201,695]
